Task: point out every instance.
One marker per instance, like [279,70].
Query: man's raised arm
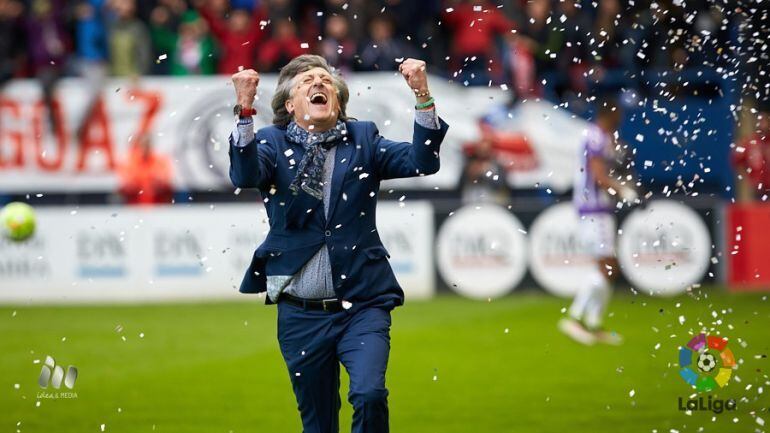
[421,157]
[251,160]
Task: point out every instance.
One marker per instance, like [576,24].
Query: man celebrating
[322,261]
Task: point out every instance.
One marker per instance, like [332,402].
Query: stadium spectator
[239,36]
[91,51]
[337,47]
[130,45]
[537,43]
[163,28]
[521,64]
[193,49]
[176,7]
[145,175]
[409,17]
[353,11]
[474,48]
[282,47]
[573,60]
[48,44]
[483,177]
[11,39]
[751,159]
[382,51]
[613,63]
[47,36]
[91,38]
[658,34]
[278,10]
[605,33]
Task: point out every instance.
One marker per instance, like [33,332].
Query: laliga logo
[706,363]
[713,359]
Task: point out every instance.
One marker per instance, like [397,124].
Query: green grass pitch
[456,366]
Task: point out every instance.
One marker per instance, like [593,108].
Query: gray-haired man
[323,262]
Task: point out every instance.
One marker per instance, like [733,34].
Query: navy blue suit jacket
[360,270]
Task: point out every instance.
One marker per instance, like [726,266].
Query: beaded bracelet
[425,104]
[420,95]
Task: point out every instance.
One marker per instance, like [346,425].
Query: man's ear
[289,106]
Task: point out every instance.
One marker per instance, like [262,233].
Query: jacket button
[328,233]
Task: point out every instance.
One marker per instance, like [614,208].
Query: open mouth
[318,98]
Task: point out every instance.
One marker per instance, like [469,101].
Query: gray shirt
[314,279]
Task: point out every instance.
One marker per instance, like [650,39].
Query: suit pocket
[376,252]
[259,261]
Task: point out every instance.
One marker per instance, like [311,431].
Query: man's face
[314,100]
[239,21]
[125,9]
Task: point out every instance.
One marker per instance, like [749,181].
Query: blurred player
[599,182]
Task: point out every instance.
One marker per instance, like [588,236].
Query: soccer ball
[17,221]
[706,362]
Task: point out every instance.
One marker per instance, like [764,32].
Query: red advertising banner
[748,247]
[188,120]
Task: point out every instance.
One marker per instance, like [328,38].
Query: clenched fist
[414,73]
[245,83]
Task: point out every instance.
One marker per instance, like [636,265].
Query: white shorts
[597,234]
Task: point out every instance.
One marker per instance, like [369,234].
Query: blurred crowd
[541,47]
[561,50]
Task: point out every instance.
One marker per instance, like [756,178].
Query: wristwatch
[241,112]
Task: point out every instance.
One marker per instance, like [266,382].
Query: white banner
[406,230]
[481,251]
[189,120]
[559,259]
[664,248]
[107,254]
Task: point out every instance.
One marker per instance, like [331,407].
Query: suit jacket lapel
[297,152]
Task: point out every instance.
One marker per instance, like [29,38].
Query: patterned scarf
[309,176]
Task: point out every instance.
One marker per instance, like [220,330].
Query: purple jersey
[587,196]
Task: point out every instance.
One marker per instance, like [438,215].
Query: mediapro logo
[54,375]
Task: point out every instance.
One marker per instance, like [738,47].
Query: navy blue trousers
[314,343]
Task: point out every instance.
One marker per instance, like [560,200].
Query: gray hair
[298,65]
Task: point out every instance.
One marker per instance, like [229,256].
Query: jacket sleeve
[402,159]
[253,164]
